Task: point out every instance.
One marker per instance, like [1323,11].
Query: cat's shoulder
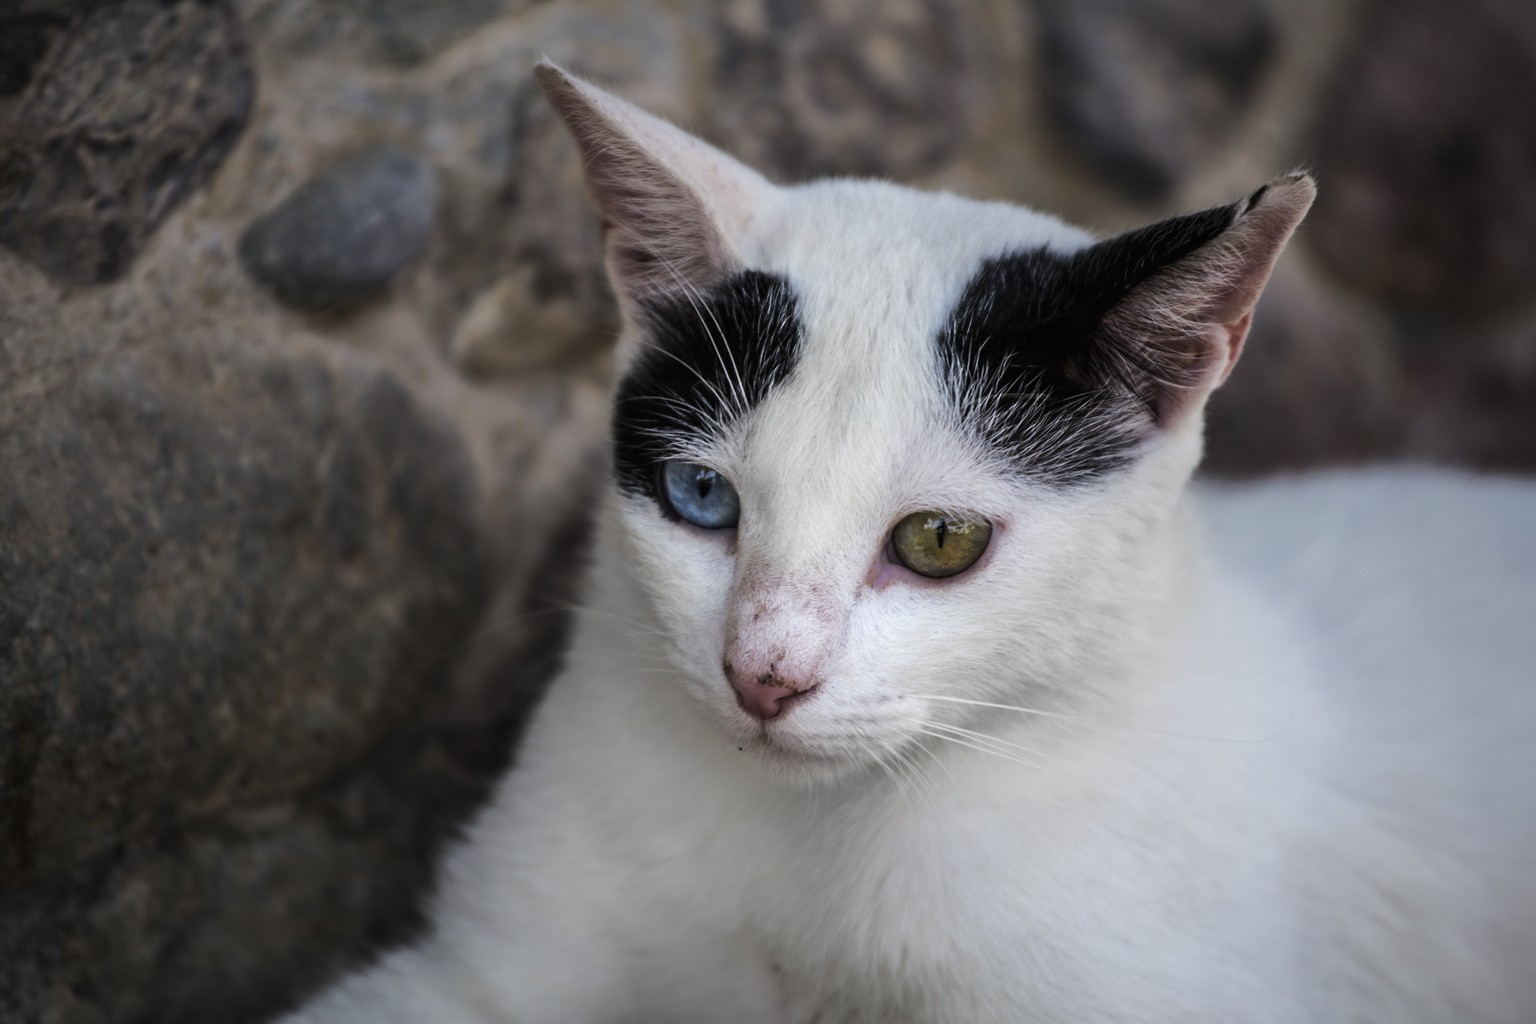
[1409,573]
[1414,517]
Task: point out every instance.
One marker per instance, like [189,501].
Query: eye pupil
[941,530]
[706,483]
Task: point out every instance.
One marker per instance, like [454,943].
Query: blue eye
[700,495]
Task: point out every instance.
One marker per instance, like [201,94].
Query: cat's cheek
[686,573]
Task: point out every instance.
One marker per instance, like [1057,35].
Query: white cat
[916,683]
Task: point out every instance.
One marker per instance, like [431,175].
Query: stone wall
[303,358]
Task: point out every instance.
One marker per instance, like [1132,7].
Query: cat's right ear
[673,207]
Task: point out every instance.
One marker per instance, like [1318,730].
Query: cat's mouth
[789,747]
[795,755]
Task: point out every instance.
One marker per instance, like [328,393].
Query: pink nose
[765,695]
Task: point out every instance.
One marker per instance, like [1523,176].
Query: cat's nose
[764,695]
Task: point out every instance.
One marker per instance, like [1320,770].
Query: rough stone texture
[220,531]
[342,236]
[137,109]
[276,590]
[408,31]
[1427,148]
[222,918]
[1143,89]
[805,88]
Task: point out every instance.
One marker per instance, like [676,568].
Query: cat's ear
[673,207]
[1183,292]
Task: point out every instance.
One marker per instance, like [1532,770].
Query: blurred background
[304,350]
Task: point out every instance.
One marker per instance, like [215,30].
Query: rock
[135,112]
[341,237]
[230,919]
[1141,90]
[392,35]
[407,32]
[512,329]
[1426,151]
[807,88]
[26,37]
[224,574]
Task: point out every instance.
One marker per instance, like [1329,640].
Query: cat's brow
[1026,369]
[709,357]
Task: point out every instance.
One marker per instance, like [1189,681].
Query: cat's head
[886,456]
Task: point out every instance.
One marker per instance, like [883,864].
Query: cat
[916,682]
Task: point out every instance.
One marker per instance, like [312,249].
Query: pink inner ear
[666,199]
[1237,334]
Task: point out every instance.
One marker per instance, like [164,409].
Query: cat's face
[882,455]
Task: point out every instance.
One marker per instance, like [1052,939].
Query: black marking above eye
[708,358]
[1025,367]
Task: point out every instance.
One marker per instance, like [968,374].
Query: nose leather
[765,695]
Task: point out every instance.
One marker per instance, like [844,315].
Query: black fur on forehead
[709,358]
[1031,365]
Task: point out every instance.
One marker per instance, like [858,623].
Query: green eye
[937,544]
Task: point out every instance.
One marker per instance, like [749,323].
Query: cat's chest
[917,904]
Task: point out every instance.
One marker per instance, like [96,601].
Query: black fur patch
[1027,366]
[708,360]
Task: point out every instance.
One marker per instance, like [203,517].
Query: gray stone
[223,575]
[805,88]
[1142,89]
[407,32]
[229,918]
[1426,151]
[392,35]
[341,237]
[133,113]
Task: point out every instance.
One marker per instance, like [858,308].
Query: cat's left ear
[1185,292]
[674,208]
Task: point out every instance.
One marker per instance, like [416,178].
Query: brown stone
[807,88]
[138,108]
[225,572]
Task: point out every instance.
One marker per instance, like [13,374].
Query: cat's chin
[801,763]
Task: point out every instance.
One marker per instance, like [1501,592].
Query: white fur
[1282,773]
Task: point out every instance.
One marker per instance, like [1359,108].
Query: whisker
[973,734]
[1118,728]
[938,761]
[924,783]
[700,307]
[999,754]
